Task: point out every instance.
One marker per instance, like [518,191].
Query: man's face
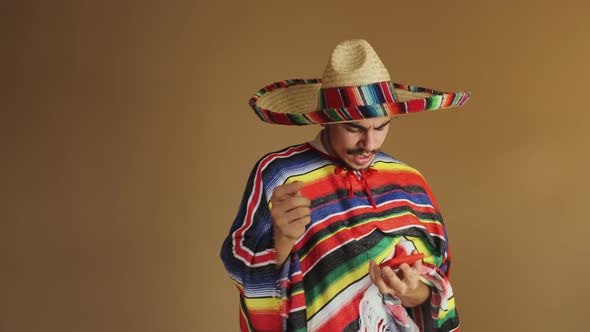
[356,143]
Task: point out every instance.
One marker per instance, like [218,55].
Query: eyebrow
[383,125]
[356,126]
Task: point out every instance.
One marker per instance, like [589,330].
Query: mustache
[356,152]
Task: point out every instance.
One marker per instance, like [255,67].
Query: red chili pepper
[395,262]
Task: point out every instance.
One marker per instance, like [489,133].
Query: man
[321,224]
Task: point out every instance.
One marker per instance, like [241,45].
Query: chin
[359,167]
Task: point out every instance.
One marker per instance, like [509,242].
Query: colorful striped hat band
[355,86]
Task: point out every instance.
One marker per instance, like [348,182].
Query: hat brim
[294,102]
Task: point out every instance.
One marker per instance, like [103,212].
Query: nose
[368,142]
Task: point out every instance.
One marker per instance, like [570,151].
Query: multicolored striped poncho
[356,217]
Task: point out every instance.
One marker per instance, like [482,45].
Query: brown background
[126,141]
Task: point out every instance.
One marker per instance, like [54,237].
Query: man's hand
[290,213]
[404,284]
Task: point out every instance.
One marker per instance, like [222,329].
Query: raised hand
[290,213]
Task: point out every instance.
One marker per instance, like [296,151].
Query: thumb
[294,188]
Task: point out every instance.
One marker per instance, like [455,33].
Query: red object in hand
[395,262]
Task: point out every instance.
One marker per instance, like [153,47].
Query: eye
[383,127]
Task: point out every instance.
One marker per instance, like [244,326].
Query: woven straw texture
[355,85]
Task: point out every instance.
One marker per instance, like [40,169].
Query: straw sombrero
[355,86]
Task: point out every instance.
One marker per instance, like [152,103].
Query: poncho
[356,217]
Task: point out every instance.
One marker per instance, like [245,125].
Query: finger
[294,202]
[279,210]
[393,281]
[411,277]
[293,229]
[418,264]
[293,187]
[302,221]
[282,218]
[380,282]
[371,273]
[288,189]
[297,213]
[409,273]
[297,227]
[406,269]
